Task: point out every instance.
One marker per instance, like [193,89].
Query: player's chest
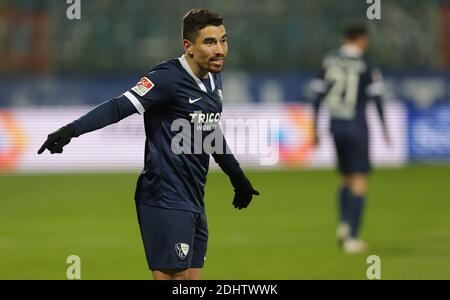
[188,101]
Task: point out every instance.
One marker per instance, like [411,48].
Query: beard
[216,65]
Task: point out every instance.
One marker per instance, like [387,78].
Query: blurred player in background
[170,190]
[346,81]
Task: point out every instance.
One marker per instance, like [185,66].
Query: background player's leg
[194,273]
[171,274]
[358,189]
[343,229]
[343,199]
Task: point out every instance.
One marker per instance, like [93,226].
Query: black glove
[243,190]
[58,139]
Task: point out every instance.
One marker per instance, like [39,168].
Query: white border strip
[135,102]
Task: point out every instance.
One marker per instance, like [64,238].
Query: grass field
[287,233]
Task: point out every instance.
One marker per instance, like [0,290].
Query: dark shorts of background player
[352,154]
[163,229]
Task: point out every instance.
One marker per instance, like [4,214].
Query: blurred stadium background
[53,69]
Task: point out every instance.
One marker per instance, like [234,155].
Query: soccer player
[186,91]
[346,82]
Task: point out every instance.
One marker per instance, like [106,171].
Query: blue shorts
[352,154]
[173,239]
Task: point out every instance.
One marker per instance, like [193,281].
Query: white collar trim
[200,84]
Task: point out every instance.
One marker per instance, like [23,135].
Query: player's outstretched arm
[380,109]
[375,91]
[316,109]
[318,89]
[107,113]
[58,139]
[243,189]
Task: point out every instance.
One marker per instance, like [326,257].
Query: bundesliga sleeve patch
[143,86]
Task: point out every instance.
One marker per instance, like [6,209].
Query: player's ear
[188,45]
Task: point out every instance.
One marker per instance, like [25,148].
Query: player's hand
[58,139]
[243,191]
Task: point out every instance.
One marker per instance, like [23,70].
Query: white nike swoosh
[195,100]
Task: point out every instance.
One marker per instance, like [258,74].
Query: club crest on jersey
[182,250]
[143,86]
[219,92]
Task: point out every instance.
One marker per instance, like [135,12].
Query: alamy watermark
[73,12]
[74,269]
[203,134]
[374,269]
[374,10]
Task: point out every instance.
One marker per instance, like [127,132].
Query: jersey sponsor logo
[194,100]
[143,86]
[182,250]
[205,121]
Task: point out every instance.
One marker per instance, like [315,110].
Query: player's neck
[195,68]
[352,49]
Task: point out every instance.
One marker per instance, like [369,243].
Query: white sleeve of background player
[376,87]
[318,86]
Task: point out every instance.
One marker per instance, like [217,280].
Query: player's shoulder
[163,74]
[333,53]
[369,61]
[373,70]
[330,58]
[372,66]
[367,57]
[160,77]
[164,68]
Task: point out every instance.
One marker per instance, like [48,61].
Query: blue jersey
[171,98]
[169,92]
[346,81]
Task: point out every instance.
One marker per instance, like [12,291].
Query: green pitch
[287,233]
